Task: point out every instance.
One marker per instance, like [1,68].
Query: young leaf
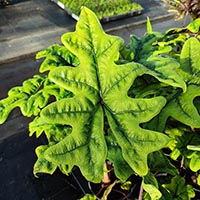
[195,162]
[185,144]
[150,185]
[134,45]
[126,185]
[189,61]
[149,27]
[198,180]
[194,26]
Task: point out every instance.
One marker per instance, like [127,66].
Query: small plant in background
[184,8]
[110,108]
[103,8]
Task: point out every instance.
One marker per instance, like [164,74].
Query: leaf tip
[149,27]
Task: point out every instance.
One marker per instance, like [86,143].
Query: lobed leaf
[100,91]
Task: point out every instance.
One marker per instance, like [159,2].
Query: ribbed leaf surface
[91,114]
[100,88]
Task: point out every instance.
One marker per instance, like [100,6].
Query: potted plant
[118,112]
[183,8]
[105,10]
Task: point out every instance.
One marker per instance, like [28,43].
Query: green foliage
[89,197]
[178,189]
[150,185]
[103,8]
[137,106]
[95,88]
[185,143]
[92,91]
[193,29]
[162,164]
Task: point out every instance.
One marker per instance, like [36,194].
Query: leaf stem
[140,193]
[106,177]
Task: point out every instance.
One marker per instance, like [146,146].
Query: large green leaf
[100,93]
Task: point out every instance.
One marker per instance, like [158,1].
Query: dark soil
[17,157]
